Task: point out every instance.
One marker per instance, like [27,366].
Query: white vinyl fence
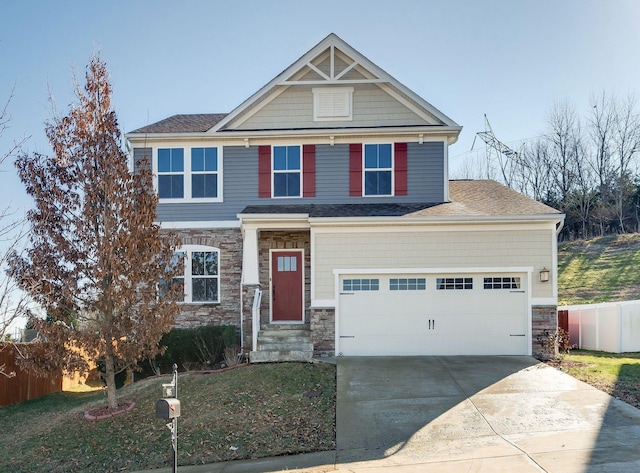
[611,326]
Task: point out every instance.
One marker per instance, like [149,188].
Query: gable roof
[481,198]
[332,62]
[193,123]
[359,71]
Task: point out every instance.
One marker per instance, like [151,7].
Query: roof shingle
[191,123]
[482,198]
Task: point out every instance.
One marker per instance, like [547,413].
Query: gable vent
[332,103]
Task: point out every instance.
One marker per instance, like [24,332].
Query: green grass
[259,410]
[599,270]
[616,374]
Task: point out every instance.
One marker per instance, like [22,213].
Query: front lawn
[618,375]
[250,412]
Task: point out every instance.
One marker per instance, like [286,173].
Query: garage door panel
[429,321]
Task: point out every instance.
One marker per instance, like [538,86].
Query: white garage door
[441,314]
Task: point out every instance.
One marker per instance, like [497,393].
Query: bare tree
[13,302]
[538,171]
[626,143]
[96,261]
[564,125]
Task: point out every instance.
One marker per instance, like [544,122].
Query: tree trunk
[110,378]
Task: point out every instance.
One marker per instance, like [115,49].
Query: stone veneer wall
[323,326]
[282,240]
[544,321]
[227,311]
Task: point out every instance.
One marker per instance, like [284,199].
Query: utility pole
[501,150]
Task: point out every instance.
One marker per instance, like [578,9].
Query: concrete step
[283,342]
[280,355]
[287,345]
[279,337]
[285,327]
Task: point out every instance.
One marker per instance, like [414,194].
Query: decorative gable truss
[334,86]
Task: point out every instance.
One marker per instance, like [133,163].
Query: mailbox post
[168,408]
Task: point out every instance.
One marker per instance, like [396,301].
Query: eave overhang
[328,135]
[305,221]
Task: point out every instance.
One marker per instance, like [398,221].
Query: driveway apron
[480,414]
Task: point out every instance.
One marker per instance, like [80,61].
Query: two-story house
[318,218]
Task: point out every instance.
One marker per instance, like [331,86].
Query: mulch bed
[105,412]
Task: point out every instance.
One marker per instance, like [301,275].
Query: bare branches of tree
[588,169]
[96,260]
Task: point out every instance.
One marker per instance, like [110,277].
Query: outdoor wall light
[544,275]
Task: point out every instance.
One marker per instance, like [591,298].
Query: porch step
[283,342]
[279,355]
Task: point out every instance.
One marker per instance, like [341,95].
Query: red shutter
[400,168]
[309,170]
[264,171]
[355,169]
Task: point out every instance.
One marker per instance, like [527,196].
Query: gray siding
[240,187]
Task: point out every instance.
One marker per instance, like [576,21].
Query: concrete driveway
[478,414]
[465,414]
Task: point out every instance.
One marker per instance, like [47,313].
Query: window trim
[187,174]
[391,170]
[188,250]
[300,172]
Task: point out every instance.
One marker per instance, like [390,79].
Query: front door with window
[287,283]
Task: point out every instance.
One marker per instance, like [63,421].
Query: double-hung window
[287,171]
[193,174]
[204,173]
[201,278]
[378,169]
[205,277]
[171,173]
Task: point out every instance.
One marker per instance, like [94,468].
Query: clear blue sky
[508,59]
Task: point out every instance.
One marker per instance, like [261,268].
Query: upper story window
[378,169]
[195,177]
[204,172]
[332,103]
[171,173]
[287,171]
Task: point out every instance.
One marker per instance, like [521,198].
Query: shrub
[556,343]
[194,347]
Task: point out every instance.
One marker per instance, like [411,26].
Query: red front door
[286,286]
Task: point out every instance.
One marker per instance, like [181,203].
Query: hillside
[603,269]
